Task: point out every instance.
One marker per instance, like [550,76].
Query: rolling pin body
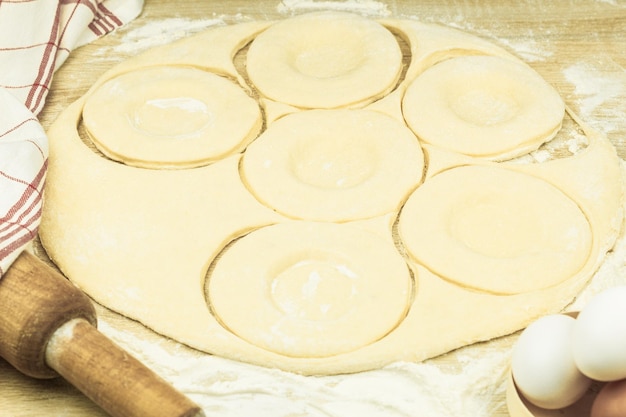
[47,328]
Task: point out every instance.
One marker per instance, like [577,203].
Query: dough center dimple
[484,108]
[334,164]
[496,228]
[303,289]
[328,60]
[316,290]
[172,117]
[507,231]
[324,60]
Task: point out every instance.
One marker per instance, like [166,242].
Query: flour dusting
[157,33]
[524,45]
[528,49]
[612,2]
[365,7]
[611,273]
[599,90]
[231,389]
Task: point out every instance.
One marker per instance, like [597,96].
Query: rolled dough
[170,117]
[233,255]
[507,232]
[324,60]
[315,290]
[334,165]
[483,106]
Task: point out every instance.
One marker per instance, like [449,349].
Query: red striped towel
[36,36]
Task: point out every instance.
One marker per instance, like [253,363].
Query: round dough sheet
[321,204]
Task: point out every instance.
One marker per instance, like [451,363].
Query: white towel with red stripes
[36,36]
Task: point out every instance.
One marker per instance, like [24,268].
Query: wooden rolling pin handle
[35,300]
[47,328]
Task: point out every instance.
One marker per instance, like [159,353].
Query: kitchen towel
[36,37]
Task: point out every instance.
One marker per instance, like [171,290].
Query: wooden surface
[578,46]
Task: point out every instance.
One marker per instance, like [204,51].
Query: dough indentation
[483,106]
[315,290]
[325,60]
[170,117]
[333,165]
[154,117]
[495,230]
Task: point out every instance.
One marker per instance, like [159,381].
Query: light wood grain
[562,35]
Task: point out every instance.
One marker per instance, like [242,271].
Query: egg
[611,400]
[599,336]
[543,366]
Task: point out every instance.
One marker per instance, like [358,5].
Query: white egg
[543,364]
[599,338]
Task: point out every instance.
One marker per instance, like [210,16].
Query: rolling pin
[48,328]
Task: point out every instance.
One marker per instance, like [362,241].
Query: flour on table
[599,98]
[231,389]
[611,2]
[526,47]
[365,7]
[157,33]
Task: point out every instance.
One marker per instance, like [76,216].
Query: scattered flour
[230,389]
[611,273]
[526,47]
[611,2]
[156,33]
[599,92]
[364,7]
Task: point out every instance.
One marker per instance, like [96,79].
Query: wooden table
[578,46]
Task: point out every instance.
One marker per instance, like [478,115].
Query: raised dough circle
[170,117]
[306,289]
[324,60]
[484,106]
[496,230]
[334,165]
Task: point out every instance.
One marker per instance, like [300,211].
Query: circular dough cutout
[334,165]
[324,60]
[496,230]
[305,289]
[483,106]
[170,117]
